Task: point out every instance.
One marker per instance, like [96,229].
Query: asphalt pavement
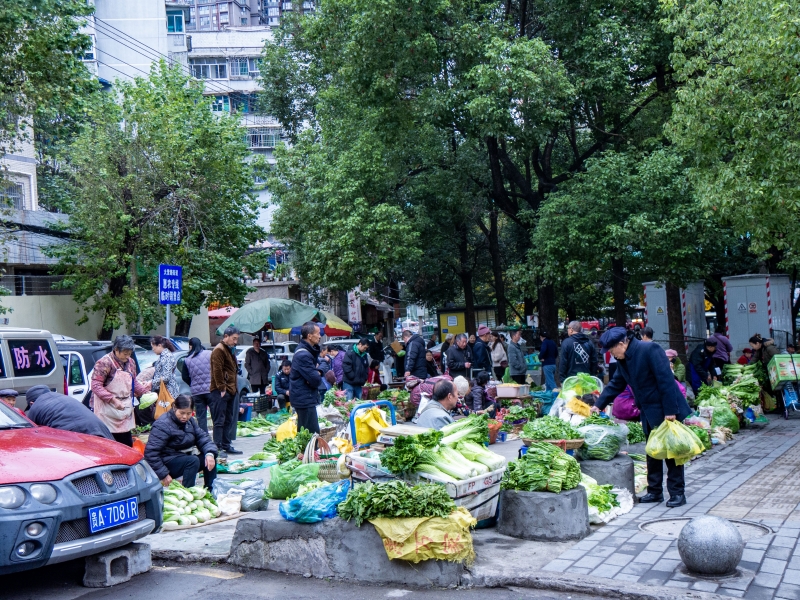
[215,582]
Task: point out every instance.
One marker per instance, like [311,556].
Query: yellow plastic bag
[369,423]
[579,407]
[344,446]
[287,430]
[424,538]
[672,439]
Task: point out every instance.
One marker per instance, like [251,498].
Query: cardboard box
[782,368]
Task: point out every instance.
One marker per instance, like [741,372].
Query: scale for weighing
[388,434]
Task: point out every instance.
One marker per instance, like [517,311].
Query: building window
[192,15]
[203,10]
[239,67]
[253,66]
[221,104]
[244,103]
[209,68]
[244,20]
[263,137]
[205,22]
[90,52]
[12,196]
[175,23]
[223,17]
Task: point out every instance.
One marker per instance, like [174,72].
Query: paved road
[205,582]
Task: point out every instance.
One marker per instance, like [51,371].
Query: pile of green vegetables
[189,506]
[475,428]
[594,419]
[518,413]
[600,442]
[549,428]
[289,448]
[428,453]
[702,434]
[599,496]
[722,416]
[544,468]
[635,432]
[732,372]
[745,392]
[578,385]
[308,487]
[395,500]
[285,479]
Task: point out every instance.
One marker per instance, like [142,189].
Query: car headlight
[44,493]
[141,472]
[11,497]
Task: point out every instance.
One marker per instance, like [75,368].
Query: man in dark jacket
[256,362]
[305,378]
[701,364]
[645,368]
[376,347]
[459,357]
[481,356]
[415,355]
[578,354]
[224,405]
[51,409]
[547,356]
[355,369]
[282,383]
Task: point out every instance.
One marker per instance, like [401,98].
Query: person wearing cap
[702,369]
[645,368]
[678,368]
[747,355]
[481,356]
[9,397]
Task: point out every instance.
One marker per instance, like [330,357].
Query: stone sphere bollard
[710,546]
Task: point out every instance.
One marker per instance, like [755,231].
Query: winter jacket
[499,355]
[700,363]
[415,357]
[165,371]
[282,383]
[375,350]
[224,370]
[646,369]
[456,358]
[433,415]
[336,367]
[766,352]
[197,372]
[482,357]
[355,367]
[257,365]
[477,399]
[548,352]
[724,347]
[516,360]
[324,365]
[169,437]
[305,376]
[432,369]
[51,409]
[578,355]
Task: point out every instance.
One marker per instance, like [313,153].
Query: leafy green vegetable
[596,420]
[289,448]
[549,428]
[599,496]
[544,468]
[395,500]
[638,457]
[635,432]
[474,428]
[702,434]
[407,455]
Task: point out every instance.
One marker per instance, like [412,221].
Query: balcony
[176,42]
[33,285]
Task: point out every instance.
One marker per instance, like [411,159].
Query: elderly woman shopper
[114,387]
[165,366]
[172,442]
[197,374]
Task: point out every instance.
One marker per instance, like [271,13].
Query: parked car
[66,495]
[28,358]
[78,360]
[278,352]
[143,341]
[242,383]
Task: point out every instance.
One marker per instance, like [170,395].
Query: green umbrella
[271,313]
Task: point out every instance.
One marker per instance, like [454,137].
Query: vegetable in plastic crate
[673,439]
[544,468]
[601,442]
[549,428]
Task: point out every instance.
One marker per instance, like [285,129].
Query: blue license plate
[111,515]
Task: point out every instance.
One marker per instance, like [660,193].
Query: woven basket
[327,468]
[563,444]
[328,433]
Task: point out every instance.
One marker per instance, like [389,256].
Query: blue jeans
[353,392]
[549,377]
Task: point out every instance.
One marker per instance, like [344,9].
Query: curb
[592,586]
[189,557]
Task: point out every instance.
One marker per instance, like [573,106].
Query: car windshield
[11,419]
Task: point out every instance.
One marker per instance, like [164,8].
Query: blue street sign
[170,284]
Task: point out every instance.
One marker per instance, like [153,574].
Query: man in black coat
[459,357]
[51,409]
[415,355]
[355,369]
[578,354]
[376,347]
[481,355]
[305,378]
[644,367]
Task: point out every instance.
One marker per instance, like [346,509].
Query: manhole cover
[672,528]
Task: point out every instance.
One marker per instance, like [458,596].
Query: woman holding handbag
[165,382]
[499,356]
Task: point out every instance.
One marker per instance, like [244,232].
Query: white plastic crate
[468,486]
[513,391]
[481,505]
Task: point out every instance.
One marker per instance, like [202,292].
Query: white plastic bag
[231,503]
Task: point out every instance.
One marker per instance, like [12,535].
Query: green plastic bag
[286,479]
[724,417]
[673,439]
[507,376]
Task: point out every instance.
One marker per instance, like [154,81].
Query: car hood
[44,454]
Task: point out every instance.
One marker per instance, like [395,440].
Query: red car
[66,495]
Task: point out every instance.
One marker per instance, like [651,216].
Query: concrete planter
[544,516]
[333,548]
[618,472]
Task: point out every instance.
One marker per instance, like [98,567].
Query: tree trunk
[115,287]
[619,287]
[182,327]
[717,298]
[548,315]
[675,320]
[497,269]
[465,275]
